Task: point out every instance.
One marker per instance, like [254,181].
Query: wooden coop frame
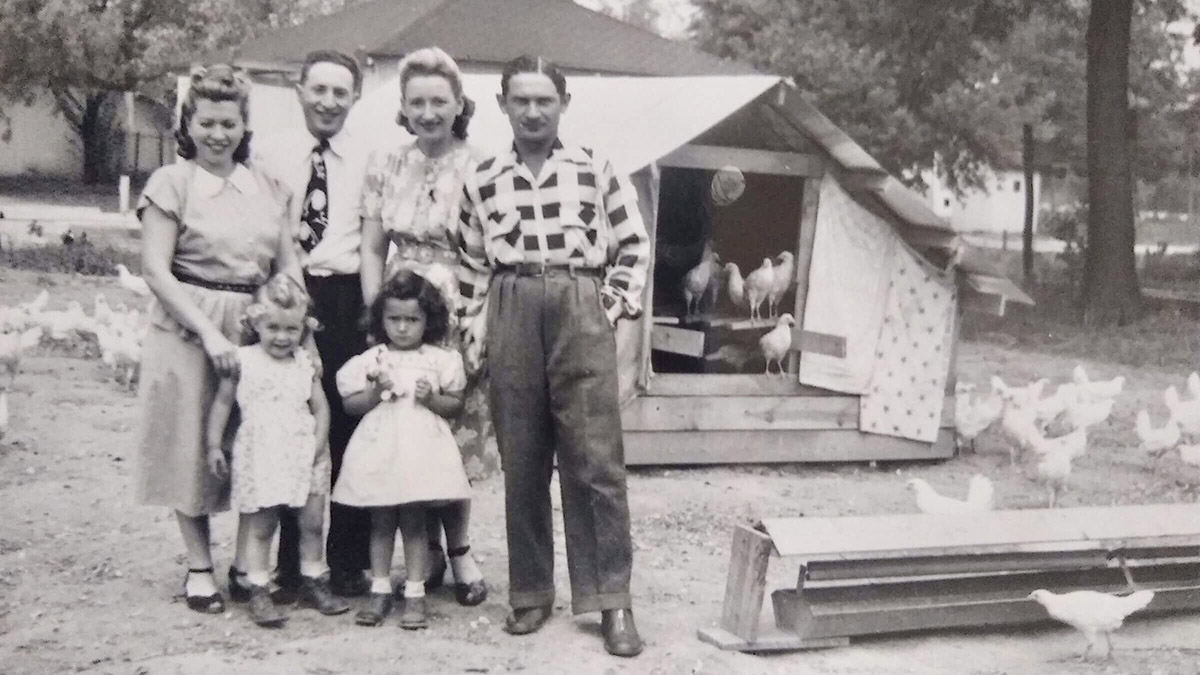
[682,419]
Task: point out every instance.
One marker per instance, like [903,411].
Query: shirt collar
[339,143]
[514,158]
[210,184]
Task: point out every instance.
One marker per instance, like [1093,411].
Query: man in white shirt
[325,166]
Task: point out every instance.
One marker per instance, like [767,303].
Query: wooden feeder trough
[913,572]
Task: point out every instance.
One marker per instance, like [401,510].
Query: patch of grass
[78,258]
[1165,339]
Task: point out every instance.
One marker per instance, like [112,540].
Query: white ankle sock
[414,589]
[312,570]
[258,578]
[381,585]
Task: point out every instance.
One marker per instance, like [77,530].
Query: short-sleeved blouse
[229,228]
[228,231]
[416,197]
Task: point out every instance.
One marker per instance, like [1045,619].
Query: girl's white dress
[402,452]
[276,443]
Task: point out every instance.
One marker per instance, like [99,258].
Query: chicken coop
[779,245]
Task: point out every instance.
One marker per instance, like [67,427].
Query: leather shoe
[620,634]
[526,620]
[348,583]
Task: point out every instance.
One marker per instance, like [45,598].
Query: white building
[998,206]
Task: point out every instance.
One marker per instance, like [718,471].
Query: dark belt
[190,280]
[335,279]
[549,269]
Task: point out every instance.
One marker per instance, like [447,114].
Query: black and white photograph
[658,337]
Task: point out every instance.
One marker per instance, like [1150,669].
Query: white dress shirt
[287,156]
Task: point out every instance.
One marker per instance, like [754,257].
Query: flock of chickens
[116,330]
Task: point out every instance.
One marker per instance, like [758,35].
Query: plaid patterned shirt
[581,212]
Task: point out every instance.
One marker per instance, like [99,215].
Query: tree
[87,53]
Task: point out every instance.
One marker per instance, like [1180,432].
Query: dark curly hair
[408,285]
[219,82]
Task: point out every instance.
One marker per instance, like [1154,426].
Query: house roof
[486,31]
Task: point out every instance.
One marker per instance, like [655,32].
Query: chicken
[973,414]
[13,346]
[132,282]
[735,356]
[735,284]
[1019,419]
[1159,440]
[785,267]
[776,343]
[1186,413]
[1190,454]
[758,286]
[1073,444]
[980,494]
[1088,390]
[697,281]
[1052,406]
[1055,470]
[101,311]
[1021,397]
[1084,413]
[1092,613]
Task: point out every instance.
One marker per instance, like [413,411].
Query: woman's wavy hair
[435,62]
[280,292]
[220,82]
[408,285]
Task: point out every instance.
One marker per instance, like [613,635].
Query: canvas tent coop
[876,279]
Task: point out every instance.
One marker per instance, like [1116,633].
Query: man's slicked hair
[527,63]
[335,57]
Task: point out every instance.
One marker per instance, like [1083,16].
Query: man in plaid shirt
[552,239]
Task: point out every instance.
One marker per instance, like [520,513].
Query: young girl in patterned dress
[281,450]
[402,459]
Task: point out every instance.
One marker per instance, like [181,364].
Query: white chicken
[980,495]
[1190,454]
[132,282]
[1186,413]
[13,346]
[785,268]
[1021,397]
[1073,444]
[974,414]
[758,286]
[1052,406]
[1019,419]
[735,285]
[777,342]
[1084,413]
[1087,390]
[1054,471]
[1091,612]
[696,282]
[1157,441]
[102,313]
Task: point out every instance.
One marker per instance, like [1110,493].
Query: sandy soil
[89,582]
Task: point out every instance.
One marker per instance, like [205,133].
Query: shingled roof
[490,32]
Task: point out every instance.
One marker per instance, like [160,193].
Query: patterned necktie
[315,214]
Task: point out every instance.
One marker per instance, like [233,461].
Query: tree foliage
[951,82]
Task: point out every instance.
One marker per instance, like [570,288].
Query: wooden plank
[818,343]
[906,535]
[827,570]
[971,301]
[745,582]
[677,340]
[810,199]
[713,157]
[688,384]
[723,413]
[666,448]
[646,182]
[770,639]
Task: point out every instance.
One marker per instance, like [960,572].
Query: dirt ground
[89,582]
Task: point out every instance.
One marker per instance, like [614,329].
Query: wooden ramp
[901,573]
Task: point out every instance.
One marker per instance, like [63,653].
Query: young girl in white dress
[402,458]
[281,450]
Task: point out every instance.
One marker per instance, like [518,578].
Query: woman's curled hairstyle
[408,285]
[432,61]
[219,82]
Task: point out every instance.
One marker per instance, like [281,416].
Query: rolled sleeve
[626,276]
[474,268]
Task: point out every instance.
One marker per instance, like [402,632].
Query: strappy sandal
[205,604]
[469,594]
